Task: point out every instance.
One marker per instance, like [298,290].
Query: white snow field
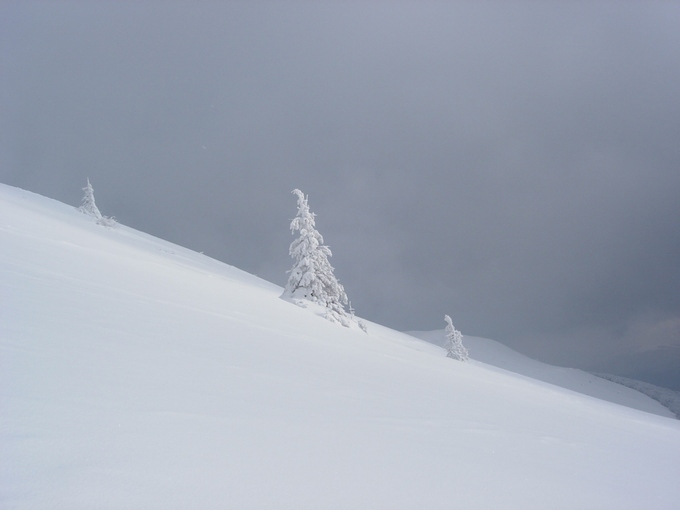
[135,374]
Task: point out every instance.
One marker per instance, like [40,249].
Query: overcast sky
[514,165]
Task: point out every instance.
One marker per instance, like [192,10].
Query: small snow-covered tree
[90,208]
[311,277]
[454,342]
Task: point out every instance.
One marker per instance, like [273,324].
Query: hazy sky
[514,165]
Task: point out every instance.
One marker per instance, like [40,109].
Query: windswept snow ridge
[137,374]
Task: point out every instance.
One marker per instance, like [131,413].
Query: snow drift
[138,374]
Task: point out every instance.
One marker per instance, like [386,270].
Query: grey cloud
[513,165]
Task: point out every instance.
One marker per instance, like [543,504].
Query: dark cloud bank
[515,165]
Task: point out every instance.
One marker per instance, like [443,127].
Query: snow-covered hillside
[138,374]
[498,355]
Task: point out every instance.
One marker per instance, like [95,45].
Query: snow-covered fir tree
[90,208]
[311,277]
[454,342]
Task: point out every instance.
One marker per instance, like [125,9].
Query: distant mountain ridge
[498,355]
[659,366]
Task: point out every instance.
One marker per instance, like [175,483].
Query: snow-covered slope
[498,355]
[137,374]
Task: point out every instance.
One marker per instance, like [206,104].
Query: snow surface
[138,374]
[498,355]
